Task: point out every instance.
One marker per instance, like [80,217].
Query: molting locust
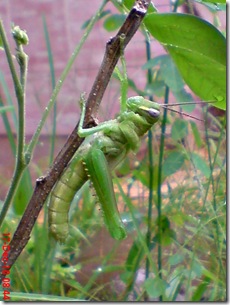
[105,147]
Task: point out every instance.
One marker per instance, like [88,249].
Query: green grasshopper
[105,146]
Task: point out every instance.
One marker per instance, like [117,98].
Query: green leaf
[196,134]
[173,163]
[197,268]
[155,287]
[183,96]
[178,219]
[142,174]
[163,222]
[198,50]
[166,238]
[155,88]
[176,259]
[201,164]
[23,193]
[168,71]
[171,75]
[200,290]
[114,22]
[135,254]
[179,129]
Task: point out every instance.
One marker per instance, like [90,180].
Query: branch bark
[45,184]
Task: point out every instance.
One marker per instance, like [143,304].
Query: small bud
[20,36]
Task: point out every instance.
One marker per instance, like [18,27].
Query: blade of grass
[53,81]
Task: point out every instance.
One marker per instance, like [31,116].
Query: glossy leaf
[198,50]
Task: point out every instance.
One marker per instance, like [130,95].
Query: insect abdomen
[61,197]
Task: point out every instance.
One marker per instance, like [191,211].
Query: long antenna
[181,112]
[189,103]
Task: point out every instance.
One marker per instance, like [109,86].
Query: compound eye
[154,113]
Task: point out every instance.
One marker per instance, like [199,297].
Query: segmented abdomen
[61,197]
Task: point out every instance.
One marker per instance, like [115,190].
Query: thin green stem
[51,64]
[124,80]
[150,154]
[59,84]
[17,85]
[19,89]
[159,180]
[23,64]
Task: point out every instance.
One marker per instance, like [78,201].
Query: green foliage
[187,39]
[167,72]
[179,130]
[173,163]
[113,22]
[201,164]
[155,287]
[186,255]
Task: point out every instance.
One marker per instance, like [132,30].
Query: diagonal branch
[45,184]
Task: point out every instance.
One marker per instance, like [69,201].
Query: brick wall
[64,20]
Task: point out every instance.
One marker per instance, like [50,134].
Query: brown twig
[45,184]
